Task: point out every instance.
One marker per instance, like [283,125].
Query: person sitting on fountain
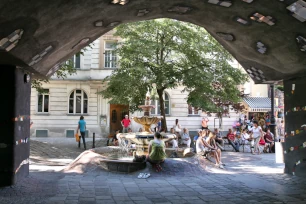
[129,130]
[140,130]
[115,139]
[173,141]
[157,154]
[186,138]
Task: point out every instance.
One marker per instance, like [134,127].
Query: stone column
[272,120]
[295,118]
[15,125]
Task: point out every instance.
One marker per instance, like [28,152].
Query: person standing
[177,128]
[257,134]
[126,122]
[205,123]
[82,128]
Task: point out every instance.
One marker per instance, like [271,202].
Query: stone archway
[268,38]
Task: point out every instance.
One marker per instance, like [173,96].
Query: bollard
[93,140]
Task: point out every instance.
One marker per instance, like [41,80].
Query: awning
[259,104]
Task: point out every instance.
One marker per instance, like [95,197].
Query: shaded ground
[246,179]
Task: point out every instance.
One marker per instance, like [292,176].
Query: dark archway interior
[267,37]
[264,36]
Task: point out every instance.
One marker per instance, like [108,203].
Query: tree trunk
[160,93]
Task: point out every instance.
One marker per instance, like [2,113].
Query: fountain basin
[147,121]
[124,166]
[144,138]
[111,160]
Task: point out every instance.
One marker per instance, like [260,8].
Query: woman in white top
[173,141]
[204,148]
[256,134]
[245,137]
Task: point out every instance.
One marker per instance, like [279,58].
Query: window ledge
[42,113]
[77,114]
[194,115]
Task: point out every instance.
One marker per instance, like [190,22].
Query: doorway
[117,113]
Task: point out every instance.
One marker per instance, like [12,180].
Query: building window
[78,102]
[110,57]
[43,102]
[76,61]
[156,110]
[192,110]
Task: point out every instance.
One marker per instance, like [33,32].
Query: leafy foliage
[170,53]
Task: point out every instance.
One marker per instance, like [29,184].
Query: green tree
[170,53]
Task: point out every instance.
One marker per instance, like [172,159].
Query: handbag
[262,141]
[77,137]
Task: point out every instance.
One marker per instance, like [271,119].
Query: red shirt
[126,122]
[231,136]
[268,136]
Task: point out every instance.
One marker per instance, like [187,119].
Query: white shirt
[245,136]
[256,131]
[199,146]
[185,136]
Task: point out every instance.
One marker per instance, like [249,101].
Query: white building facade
[56,113]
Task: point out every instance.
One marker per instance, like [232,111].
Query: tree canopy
[170,53]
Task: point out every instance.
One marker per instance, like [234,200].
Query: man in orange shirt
[204,123]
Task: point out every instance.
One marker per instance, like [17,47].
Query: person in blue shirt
[82,128]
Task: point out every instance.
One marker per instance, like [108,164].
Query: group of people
[255,136]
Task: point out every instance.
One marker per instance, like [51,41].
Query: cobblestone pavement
[246,179]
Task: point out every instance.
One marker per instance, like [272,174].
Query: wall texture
[15,125]
[295,117]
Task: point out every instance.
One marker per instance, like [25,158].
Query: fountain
[121,158]
[142,139]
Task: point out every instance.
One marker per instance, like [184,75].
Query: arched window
[78,102]
[156,110]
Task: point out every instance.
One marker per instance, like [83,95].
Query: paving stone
[180,182]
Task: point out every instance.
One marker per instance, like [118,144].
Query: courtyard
[246,178]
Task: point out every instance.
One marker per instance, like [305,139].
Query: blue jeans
[83,138]
[235,145]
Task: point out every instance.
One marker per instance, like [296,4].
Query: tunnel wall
[295,118]
[15,125]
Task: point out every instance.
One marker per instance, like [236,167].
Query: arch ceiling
[267,37]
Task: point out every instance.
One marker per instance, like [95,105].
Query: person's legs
[237,146]
[124,130]
[216,157]
[233,145]
[174,144]
[219,155]
[83,138]
[188,143]
[271,147]
[79,142]
[256,141]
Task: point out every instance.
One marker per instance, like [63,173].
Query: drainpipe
[272,125]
